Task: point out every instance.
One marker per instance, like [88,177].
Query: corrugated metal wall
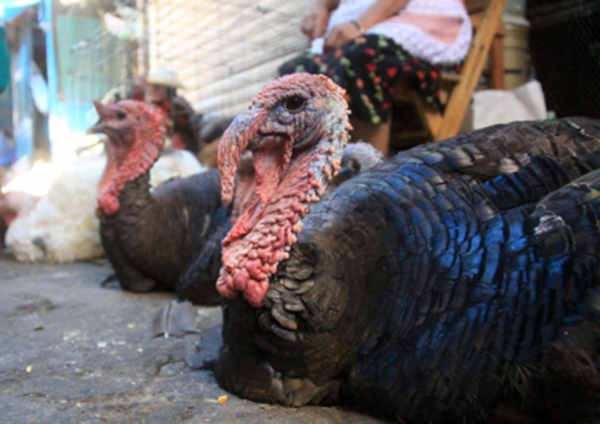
[224,51]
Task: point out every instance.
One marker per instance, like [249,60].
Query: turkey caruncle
[456,282]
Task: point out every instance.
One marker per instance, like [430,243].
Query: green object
[89,71]
[4,62]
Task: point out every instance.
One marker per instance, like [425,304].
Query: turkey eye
[121,115]
[294,103]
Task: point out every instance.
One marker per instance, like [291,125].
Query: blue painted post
[51,70]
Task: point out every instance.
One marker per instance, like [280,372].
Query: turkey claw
[176,319]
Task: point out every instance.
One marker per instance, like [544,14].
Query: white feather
[64,220]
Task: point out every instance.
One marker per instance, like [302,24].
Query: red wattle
[268,166]
[250,257]
[246,222]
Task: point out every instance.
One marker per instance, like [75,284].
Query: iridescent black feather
[456,282]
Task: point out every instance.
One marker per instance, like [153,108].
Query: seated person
[161,90]
[367,45]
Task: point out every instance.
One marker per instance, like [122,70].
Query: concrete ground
[73,352]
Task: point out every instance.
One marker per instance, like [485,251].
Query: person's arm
[378,12]
[331,5]
[316,18]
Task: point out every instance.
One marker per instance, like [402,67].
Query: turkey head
[296,129]
[135,140]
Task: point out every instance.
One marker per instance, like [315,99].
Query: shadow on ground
[73,352]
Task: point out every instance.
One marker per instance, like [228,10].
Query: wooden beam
[477,18]
[497,56]
[450,78]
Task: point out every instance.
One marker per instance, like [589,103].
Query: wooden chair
[456,90]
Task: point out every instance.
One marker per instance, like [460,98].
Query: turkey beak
[239,134]
[98,127]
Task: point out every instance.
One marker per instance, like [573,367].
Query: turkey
[151,236]
[454,283]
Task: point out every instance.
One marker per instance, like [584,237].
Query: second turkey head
[296,129]
[135,134]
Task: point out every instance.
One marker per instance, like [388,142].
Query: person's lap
[368,68]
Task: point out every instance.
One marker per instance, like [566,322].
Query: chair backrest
[487,28]
[486,16]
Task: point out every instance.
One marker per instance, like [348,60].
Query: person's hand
[315,21]
[340,34]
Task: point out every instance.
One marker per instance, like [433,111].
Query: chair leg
[497,55]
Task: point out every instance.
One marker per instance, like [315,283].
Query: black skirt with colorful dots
[368,68]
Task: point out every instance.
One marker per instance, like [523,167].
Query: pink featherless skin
[296,129]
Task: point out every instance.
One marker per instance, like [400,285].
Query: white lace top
[411,29]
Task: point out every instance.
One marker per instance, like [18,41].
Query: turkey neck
[135,196]
[134,217]
[136,221]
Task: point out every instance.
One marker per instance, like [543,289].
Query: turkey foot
[176,319]
[209,365]
[138,286]
[142,285]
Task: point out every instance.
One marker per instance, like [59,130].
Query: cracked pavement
[73,352]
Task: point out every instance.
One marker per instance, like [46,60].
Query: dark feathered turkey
[456,282]
[166,238]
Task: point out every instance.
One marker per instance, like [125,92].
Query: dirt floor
[73,352]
